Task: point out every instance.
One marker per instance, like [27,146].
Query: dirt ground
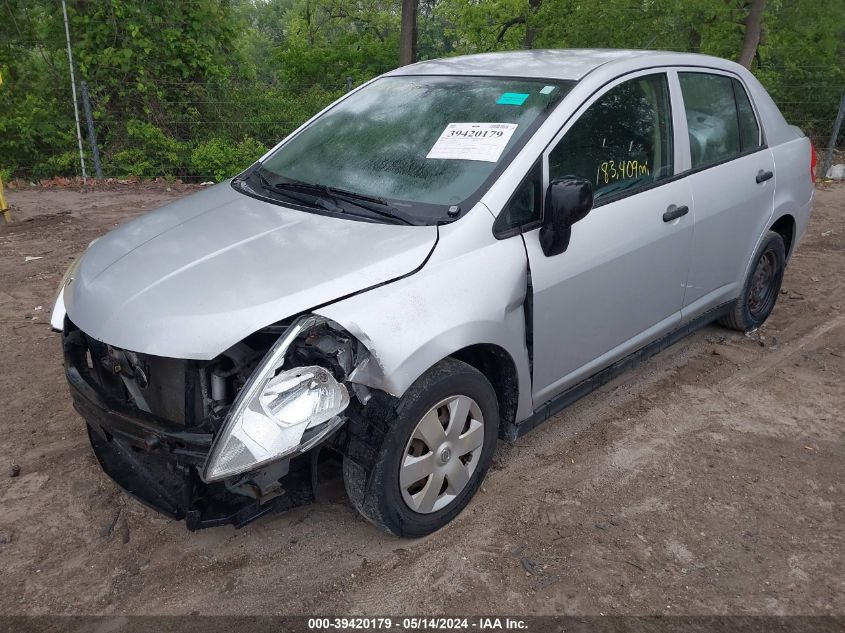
[711,480]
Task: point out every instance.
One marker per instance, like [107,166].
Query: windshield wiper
[378,206]
[283,189]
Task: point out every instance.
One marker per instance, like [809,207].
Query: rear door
[621,281]
[732,181]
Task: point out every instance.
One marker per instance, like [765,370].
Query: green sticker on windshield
[512,98]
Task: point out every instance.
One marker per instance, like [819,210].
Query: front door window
[623,142]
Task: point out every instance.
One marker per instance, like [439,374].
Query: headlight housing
[275,409]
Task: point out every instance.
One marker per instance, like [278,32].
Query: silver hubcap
[442,454]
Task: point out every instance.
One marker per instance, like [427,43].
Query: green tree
[195,88]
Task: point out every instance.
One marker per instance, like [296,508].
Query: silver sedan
[449,254]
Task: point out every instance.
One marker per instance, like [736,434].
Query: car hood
[198,275]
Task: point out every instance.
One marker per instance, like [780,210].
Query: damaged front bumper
[159,462]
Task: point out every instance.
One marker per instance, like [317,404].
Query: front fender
[471,291]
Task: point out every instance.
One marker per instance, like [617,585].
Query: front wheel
[761,288]
[434,456]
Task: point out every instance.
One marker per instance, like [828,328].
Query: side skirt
[602,377]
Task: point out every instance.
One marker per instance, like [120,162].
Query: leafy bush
[147,152]
[32,131]
[61,164]
[221,158]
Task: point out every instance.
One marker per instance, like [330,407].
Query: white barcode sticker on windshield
[473,141]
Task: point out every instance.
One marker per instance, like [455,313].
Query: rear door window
[712,118]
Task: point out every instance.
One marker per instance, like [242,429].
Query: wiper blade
[379,206]
[359,196]
[375,205]
[283,189]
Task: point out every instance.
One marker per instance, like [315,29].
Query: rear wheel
[434,456]
[761,288]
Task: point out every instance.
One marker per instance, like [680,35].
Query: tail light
[814,160]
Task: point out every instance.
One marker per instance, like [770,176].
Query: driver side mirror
[568,200]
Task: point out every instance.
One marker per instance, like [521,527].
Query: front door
[621,281]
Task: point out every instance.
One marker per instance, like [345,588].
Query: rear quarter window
[749,130]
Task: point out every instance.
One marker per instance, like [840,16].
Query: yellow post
[4,208]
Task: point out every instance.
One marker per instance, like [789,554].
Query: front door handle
[673,212]
[763,176]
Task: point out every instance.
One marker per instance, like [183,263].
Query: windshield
[421,143]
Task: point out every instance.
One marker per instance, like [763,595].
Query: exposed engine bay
[155,423]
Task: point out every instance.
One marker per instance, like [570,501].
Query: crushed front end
[222,441]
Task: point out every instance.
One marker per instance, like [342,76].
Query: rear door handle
[763,176]
[673,212]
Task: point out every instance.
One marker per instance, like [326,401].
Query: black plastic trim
[763,176]
[500,233]
[675,213]
[137,428]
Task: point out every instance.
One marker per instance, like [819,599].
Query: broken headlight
[273,411]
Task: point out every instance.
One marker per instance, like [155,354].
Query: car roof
[570,64]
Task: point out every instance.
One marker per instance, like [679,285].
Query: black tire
[375,491]
[761,288]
